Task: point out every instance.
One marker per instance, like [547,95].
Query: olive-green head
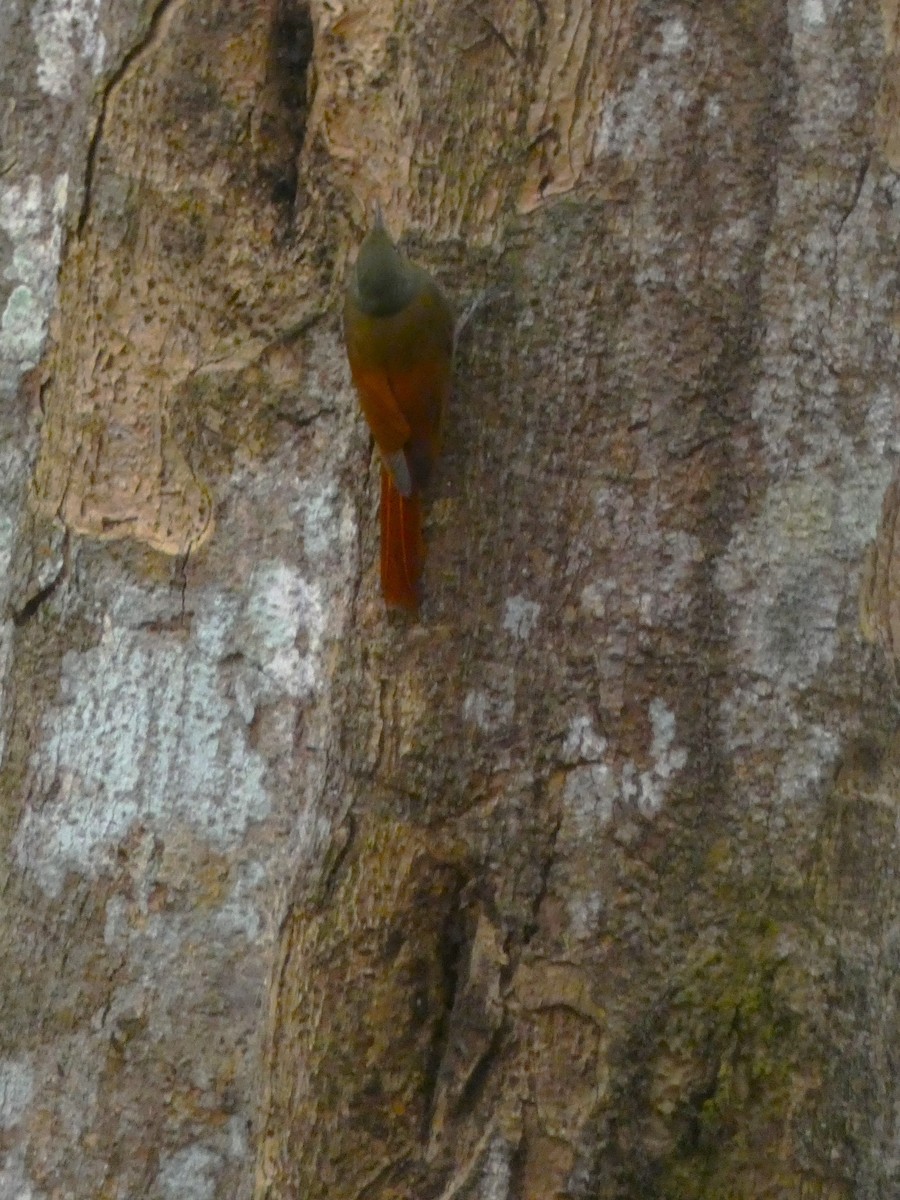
[383,281]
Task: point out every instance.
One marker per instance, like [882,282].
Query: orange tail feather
[402,545]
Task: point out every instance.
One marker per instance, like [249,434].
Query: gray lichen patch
[63,35]
[176,719]
[151,726]
[150,758]
[31,217]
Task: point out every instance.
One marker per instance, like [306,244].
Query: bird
[399,335]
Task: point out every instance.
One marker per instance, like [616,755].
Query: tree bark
[583,884]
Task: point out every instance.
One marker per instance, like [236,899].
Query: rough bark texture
[585,883]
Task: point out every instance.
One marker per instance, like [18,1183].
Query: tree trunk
[583,884]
